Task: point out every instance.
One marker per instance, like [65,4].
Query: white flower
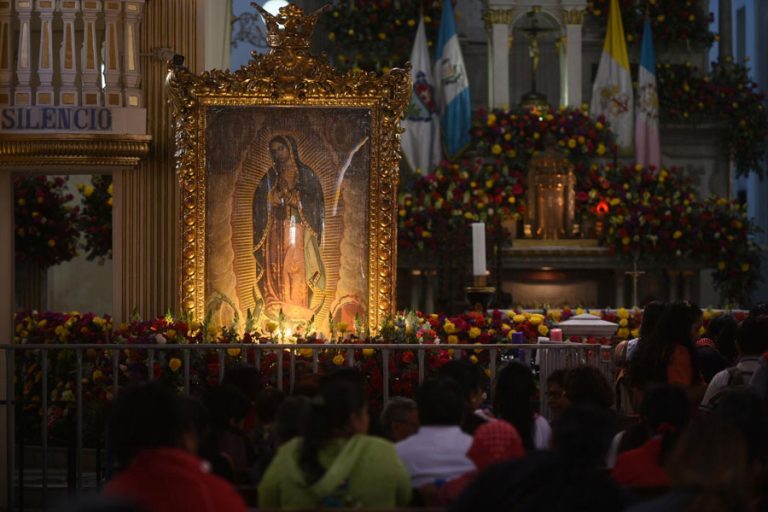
[160,339]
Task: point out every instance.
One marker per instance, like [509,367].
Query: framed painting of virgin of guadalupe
[288,174]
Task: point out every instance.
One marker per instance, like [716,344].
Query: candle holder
[480,295]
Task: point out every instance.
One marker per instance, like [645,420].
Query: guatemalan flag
[647,146]
[420,140]
[452,85]
[612,91]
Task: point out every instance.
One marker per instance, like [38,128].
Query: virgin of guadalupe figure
[288,216]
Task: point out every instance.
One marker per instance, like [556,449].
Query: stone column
[725,29]
[573,20]
[619,290]
[6,321]
[147,271]
[23,92]
[68,55]
[499,22]
[6,57]
[44,92]
[90,72]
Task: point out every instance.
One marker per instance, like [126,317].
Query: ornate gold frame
[290,77]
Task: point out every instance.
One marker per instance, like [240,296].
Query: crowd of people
[683,426]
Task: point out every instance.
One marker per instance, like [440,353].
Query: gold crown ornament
[290,27]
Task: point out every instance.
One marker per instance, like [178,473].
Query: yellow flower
[518,319]
[51,243]
[677,234]
[174,364]
[579,311]
[623,322]
[449,327]
[491,119]
[109,189]
[496,149]
[170,333]
[536,319]
[88,191]
[622,313]
[479,350]
[474,332]
[721,265]
[571,143]
[22,202]
[543,330]
[745,267]
[306,352]
[635,333]
[622,332]
[368,352]
[96,320]
[233,352]
[411,23]
[109,202]
[338,359]
[270,326]
[96,375]
[702,330]
[626,240]
[473,359]
[511,153]
[453,339]
[660,18]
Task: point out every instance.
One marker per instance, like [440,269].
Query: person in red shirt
[664,413]
[153,437]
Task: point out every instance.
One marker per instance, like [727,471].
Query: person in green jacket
[335,464]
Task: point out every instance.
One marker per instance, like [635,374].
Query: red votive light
[556,335]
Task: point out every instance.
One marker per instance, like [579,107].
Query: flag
[452,85]
[647,148]
[612,91]
[420,140]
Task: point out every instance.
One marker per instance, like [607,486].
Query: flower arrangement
[654,215]
[726,95]
[95,220]
[443,203]
[514,136]
[674,24]
[46,232]
[377,34]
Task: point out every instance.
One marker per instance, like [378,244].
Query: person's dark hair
[759,309]
[440,402]
[651,315]
[665,411]
[513,400]
[467,375]
[290,418]
[267,403]
[329,415]
[587,385]
[146,416]
[558,377]
[752,335]
[224,404]
[583,433]
[651,357]
[742,407]
[722,330]
[245,378]
[394,410]
[710,461]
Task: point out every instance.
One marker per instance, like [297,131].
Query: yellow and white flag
[612,91]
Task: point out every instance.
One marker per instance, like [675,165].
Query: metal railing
[544,358]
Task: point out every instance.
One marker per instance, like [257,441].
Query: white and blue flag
[452,85]
[647,148]
[420,140]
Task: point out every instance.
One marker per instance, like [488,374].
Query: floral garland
[95,221]
[654,215]
[46,232]
[438,331]
[673,23]
[377,34]
[726,95]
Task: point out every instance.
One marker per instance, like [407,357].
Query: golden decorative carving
[289,78]
[574,16]
[551,194]
[498,17]
[23,150]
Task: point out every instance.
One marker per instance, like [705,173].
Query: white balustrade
[68,53]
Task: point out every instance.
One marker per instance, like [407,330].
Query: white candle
[478,249]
